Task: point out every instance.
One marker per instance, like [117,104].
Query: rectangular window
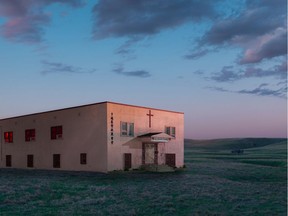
[8,137]
[131,129]
[30,161]
[56,160]
[8,160]
[30,135]
[170,131]
[127,129]
[56,132]
[83,158]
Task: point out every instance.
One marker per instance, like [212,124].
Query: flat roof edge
[122,104]
[86,105]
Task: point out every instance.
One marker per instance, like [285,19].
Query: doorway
[150,153]
[170,160]
[127,161]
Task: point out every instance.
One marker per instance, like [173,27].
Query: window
[127,129]
[56,160]
[170,131]
[56,132]
[8,160]
[8,136]
[83,158]
[30,160]
[30,135]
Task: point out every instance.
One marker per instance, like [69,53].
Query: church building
[100,137]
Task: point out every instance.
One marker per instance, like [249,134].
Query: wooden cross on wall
[150,115]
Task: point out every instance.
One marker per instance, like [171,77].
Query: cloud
[261,90]
[126,18]
[24,19]
[228,73]
[258,18]
[266,47]
[136,73]
[197,54]
[281,92]
[25,29]
[56,67]
[259,29]
[126,48]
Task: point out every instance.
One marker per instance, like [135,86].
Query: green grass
[215,182]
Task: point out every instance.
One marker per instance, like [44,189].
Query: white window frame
[169,131]
[127,129]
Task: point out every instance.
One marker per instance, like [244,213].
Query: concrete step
[158,168]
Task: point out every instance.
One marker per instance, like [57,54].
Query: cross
[150,115]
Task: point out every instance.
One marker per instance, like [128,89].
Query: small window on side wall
[8,137]
[127,129]
[30,135]
[171,131]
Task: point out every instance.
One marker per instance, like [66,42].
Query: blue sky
[222,63]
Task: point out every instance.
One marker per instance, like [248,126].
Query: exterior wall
[138,115]
[84,131]
[92,129]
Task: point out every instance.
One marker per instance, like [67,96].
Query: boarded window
[83,158]
[56,132]
[30,161]
[127,161]
[8,160]
[30,135]
[56,160]
[170,160]
[8,137]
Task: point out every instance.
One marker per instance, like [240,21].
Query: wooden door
[149,153]
[56,160]
[30,161]
[170,160]
[127,161]
[8,160]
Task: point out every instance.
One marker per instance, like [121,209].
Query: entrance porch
[154,149]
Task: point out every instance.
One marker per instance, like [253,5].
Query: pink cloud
[260,30]
[24,29]
[267,46]
[26,18]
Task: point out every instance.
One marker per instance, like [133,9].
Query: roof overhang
[157,137]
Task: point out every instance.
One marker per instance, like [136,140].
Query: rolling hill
[233,143]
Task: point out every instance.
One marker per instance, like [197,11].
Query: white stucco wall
[138,116]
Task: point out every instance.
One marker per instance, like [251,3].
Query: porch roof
[156,137]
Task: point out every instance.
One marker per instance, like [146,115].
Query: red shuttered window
[8,137]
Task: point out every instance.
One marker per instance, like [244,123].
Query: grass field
[215,182]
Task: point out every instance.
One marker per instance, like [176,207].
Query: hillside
[229,144]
